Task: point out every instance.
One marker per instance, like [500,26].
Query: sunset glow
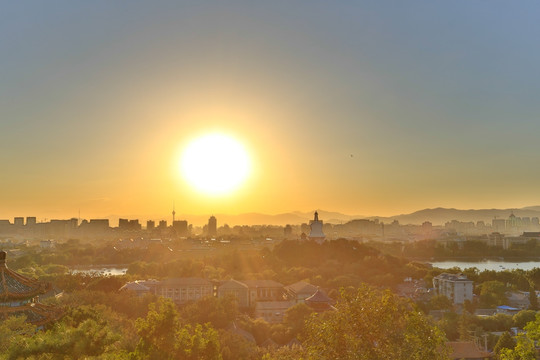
[368,109]
[215,164]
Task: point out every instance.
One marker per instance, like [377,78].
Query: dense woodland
[100,322]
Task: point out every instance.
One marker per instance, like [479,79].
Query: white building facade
[456,287]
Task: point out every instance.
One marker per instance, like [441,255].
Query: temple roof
[262,284]
[14,286]
[232,284]
[320,301]
[319,298]
[185,282]
[302,288]
[36,314]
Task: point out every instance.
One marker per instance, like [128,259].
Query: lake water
[105,271]
[488,265]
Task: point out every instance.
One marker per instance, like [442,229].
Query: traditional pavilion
[19,295]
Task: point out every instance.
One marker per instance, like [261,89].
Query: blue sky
[436,101]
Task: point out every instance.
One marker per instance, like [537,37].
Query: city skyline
[379,108]
[436,216]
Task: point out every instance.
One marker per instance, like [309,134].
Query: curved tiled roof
[320,301]
[302,287]
[232,284]
[319,298]
[36,314]
[14,286]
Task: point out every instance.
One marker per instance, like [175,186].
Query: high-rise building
[287,231]
[150,225]
[73,223]
[31,221]
[498,225]
[212,226]
[123,224]
[99,224]
[180,227]
[18,221]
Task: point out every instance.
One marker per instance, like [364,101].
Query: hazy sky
[436,101]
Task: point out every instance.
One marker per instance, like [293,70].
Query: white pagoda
[316,232]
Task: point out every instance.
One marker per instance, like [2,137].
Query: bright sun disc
[215,164]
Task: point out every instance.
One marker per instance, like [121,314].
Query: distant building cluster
[513,225]
[95,228]
[131,233]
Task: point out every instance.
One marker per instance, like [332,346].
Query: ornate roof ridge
[16,286]
[45,313]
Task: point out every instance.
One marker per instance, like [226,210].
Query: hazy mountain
[437,216]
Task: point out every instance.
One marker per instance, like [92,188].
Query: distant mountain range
[437,216]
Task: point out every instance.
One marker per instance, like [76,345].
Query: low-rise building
[272,311]
[468,350]
[235,288]
[141,287]
[182,290]
[46,244]
[456,287]
[518,299]
[508,310]
[264,290]
[300,291]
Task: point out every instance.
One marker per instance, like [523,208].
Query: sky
[363,107]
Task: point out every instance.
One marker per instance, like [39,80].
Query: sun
[215,164]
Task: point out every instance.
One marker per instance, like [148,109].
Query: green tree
[533,300]
[523,317]
[286,353]
[371,324]
[492,294]
[236,347]
[525,349]
[12,332]
[440,302]
[163,337]
[63,341]
[296,316]
[220,312]
[506,341]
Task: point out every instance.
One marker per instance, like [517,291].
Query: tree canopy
[373,324]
